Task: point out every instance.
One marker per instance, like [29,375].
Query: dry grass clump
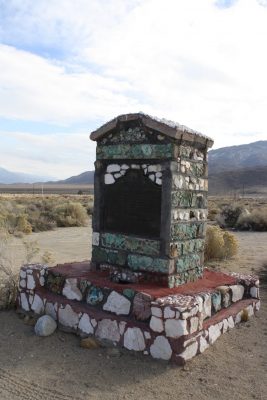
[229,215]
[254,221]
[8,278]
[26,214]
[70,214]
[219,244]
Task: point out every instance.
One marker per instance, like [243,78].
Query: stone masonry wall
[174,327]
[180,169]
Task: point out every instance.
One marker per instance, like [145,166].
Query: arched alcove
[132,205]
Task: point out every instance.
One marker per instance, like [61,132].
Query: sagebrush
[219,244]
[26,214]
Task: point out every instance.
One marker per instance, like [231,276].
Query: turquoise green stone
[182,198]
[99,254]
[94,296]
[136,151]
[188,262]
[198,169]
[131,244]
[139,263]
[183,231]
[188,199]
[129,293]
[216,300]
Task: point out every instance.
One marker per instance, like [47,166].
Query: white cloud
[57,155]
[185,60]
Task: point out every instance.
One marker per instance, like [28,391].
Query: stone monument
[150,200]
[145,288]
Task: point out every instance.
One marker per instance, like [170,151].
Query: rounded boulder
[45,326]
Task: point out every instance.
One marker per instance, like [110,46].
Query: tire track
[22,389]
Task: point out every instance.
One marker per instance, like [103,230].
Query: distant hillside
[247,181]
[245,156]
[8,177]
[82,179]
[235,168]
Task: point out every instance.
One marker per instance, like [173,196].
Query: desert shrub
[229,215]
[23,225]
[219,244]
[254,221]
[70,214]
[8,278]
[213,212]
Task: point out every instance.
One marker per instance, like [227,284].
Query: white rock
[68,317]
[71,291]
[168,312]
[109,179]
[190,313]
[152,168]
[151,177]
[122,325]
[95,239]
[254,292]
[117,303]
[134,339]
[158,181]
[50,310]
[45,326]
[125,166]
[231,323]
[108,329]
[238,318]
[206,305]
[30,282]
[93,322]
[190,351]
[156,324]
[135,166]
[199,301]
[203,344]
[161,348]
[193,324]
[178,181]
[22,283]
[237,292]
[113,168]
[156,311]
[225,325]
[24,302]
[257,305]
[117,175]
[175,328]
[85,324]
[158,174]
[42,280]
[22,274]
[250,311]
[147,335]
[37,305]
[214,333]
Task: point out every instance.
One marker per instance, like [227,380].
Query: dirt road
[56,368]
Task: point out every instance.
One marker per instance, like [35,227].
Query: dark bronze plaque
[132,205]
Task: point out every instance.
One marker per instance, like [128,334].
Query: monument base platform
[170,324]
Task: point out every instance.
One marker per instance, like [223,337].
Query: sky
[67,67]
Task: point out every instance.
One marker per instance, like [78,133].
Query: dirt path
[64,244]
[56,368]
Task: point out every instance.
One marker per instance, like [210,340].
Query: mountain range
[9,177]
[240,168]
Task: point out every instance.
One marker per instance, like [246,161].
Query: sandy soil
[56,368]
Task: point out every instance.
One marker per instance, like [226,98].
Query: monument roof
[164,126]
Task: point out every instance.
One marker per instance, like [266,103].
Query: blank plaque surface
[132,205]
